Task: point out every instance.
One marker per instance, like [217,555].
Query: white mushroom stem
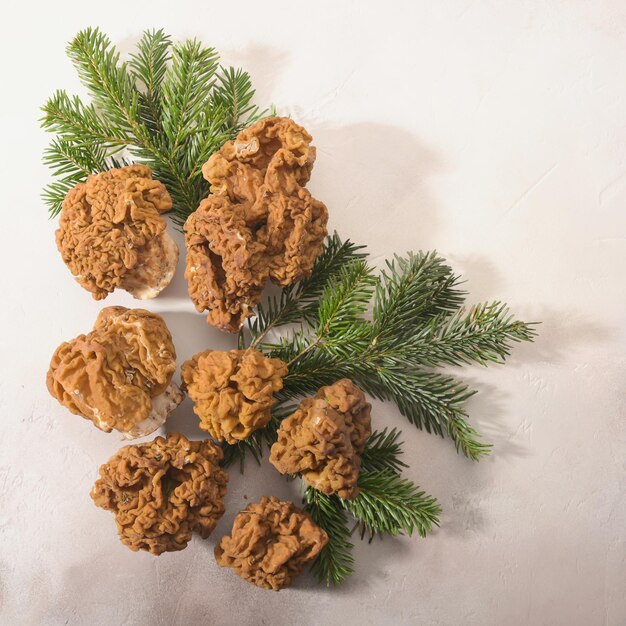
[155,270]
[162,406]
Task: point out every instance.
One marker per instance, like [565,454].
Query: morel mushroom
[111,233]
[233,392]
[270,543]
[163,491]
[259,221]
[323,439]
[119,375]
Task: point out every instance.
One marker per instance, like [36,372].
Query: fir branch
[482,334]
[383,451]
[412,290]
[108,81]
[170,107]
[53,194]
[343,302]
[78,123]
[191,77]
[67,159]
[233,95]
[433,402]
[70,163]
[300,301]
[336,255]
[416,325]
[148,66]
[310,371]
[335,562]
[390,504]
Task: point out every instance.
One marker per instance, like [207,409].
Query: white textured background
[492,131]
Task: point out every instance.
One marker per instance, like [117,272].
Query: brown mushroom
[323,439]
[233,392]
[259,221]
[119,375]
[163,491]
[270,544]
[111,233]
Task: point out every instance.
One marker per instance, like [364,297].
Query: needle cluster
[389,332]
[168,105]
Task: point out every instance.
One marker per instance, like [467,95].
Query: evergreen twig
[170,106]
[335,562]
[390,504]
[387,334]
[300,301]
[386,504]
[383,451]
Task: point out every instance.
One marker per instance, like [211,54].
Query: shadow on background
[370,175]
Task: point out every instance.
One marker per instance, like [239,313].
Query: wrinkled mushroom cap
[323,439]
[349,400]
[233,392]
[270,543]
[111,233]
[118,375]
[163,491]
[259,222]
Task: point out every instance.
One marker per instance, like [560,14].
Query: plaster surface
[491,131]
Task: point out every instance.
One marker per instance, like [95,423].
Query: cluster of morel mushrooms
[259,223]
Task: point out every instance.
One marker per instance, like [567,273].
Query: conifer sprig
[300,301]
[389,504]
[383,452]
[387,333]
[169,106]
[386,504]
[335,562]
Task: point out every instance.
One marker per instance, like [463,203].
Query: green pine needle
[482,334]
[432,402]
[343,302]
[387,333]
[382,452]
[149,66]
[300,301]
[412,290]
[390,504]
[169,106]
[386,504]
[335,562]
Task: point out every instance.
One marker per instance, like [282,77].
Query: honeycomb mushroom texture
[323,439]
[118,375]
[270,543]
[259,222]
[163,491]
[111,233]
[233,392]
